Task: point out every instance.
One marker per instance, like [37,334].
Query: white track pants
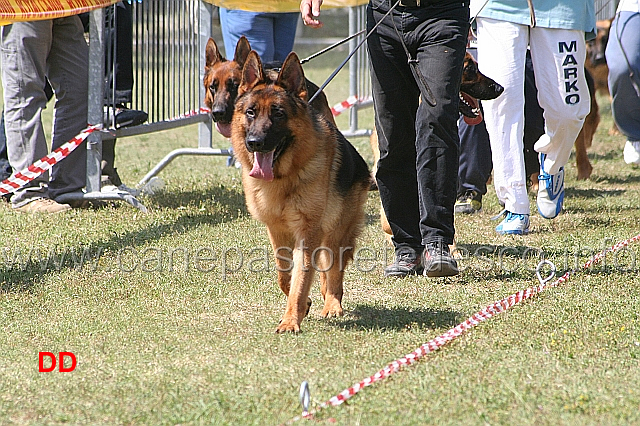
[558,62]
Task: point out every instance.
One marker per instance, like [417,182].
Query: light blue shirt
[563,14]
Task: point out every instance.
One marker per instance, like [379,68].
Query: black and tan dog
[596,61]
[222,79]
[303,180]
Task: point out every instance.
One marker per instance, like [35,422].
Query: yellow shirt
[34,10]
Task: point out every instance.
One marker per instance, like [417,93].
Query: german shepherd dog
[475,86]
[222,78]
[303,180]
[596,61]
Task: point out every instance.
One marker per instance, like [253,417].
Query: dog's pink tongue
[224,129]
[473,121]
[262,166]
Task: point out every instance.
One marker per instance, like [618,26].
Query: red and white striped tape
[436,343]
[23,177]
[350,102]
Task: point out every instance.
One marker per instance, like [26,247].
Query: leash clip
[305,397]
[552,271]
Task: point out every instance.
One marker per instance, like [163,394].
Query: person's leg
[256,26]
[558,62]
[121,70]
[284,34]
[123,59]
[68,65]
[395,97]
[475,157]
[25,46]
[438,31]
[502,48]
[533,120]
[625,91]
[5,167]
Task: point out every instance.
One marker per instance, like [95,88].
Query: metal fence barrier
[169,39]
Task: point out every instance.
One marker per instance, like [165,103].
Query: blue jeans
[475,158]
[418,169]
[625,105]
[270,34]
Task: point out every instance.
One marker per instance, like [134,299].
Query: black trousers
[418,169]
[118,46]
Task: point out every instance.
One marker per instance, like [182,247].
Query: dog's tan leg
[301,280]
[283,250]
[585,139]
[534,183]
[331,283]
[582,161]
[282,245]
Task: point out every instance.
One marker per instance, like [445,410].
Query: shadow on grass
[231,198]
[619,180]
[21,271]
[592,192]
[467,251]
[372,219]
[370,317]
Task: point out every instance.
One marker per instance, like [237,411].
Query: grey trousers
[32,51]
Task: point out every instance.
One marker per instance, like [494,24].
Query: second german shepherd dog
[303,180]
[222,77]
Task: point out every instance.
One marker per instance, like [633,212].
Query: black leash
[425,90]
[333,46]
[337,70]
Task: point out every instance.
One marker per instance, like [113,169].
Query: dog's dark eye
[232,86]
[277,113]
[214,86]
[250,113]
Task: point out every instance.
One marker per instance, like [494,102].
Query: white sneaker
[514,224]
[631,152]
[550,191]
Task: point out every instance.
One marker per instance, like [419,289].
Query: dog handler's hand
[310,10]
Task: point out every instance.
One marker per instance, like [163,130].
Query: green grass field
[171,314]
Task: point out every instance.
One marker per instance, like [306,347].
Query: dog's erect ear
[291,77]
[242,51]
[212,53]
[252,73]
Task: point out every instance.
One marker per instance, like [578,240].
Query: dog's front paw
[584,171]
[288,325]
[332,309]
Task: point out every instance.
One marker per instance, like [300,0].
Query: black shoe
[405,264]
[438,262]
[468,203]
[124,117]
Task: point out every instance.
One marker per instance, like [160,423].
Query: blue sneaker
[514,224]
[550,191]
